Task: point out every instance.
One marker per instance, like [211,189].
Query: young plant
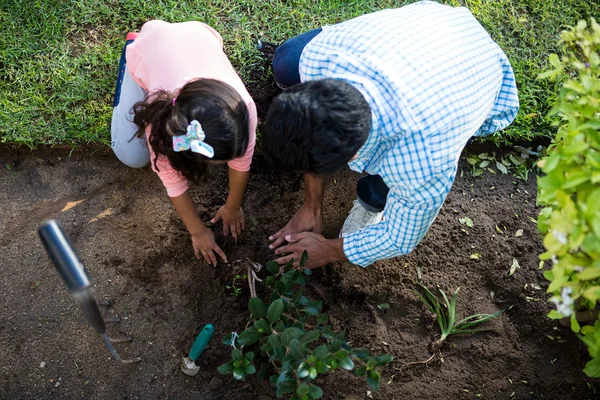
[292,342]
[235,288]
[570,188]
[445,314]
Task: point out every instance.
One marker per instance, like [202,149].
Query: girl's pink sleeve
[175,183]
[136,67]
[243,163]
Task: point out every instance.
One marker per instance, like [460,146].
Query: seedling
[235,286]
[445,314]
[291,341]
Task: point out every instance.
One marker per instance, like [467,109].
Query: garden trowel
[188,364]
[78,283]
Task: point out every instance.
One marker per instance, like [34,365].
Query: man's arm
[407,217]
[309,216]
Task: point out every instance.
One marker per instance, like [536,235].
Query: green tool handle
[201,341]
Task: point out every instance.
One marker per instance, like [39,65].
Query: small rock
[57,384]
[42,364]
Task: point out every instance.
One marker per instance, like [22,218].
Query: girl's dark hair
[214,104]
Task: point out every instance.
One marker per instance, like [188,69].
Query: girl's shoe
[359,218]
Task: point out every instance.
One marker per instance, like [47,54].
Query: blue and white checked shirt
[433,78]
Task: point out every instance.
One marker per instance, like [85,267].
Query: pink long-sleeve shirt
[167,56]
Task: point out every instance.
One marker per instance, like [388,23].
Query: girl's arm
[231,213]
[203,239]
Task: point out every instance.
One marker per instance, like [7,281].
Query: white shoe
[359,218]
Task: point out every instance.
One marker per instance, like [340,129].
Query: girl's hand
[205,245]
[233,220]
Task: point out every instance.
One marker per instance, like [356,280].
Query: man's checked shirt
[433,78]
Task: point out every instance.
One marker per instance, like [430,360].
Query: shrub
[570,188]
[293,342]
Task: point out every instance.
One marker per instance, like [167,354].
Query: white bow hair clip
[193,140]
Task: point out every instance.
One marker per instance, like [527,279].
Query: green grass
[58,58]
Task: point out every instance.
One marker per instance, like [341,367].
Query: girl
[190,109]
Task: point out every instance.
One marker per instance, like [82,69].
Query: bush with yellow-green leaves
[570,188]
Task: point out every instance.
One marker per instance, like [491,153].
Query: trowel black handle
[62,253]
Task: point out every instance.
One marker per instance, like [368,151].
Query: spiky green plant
[445,314]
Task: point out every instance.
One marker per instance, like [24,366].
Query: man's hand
[205,245]
[233,220]
[306,219]
[320,251]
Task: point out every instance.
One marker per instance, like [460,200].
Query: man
[396,94]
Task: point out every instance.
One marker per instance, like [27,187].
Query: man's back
[431,74]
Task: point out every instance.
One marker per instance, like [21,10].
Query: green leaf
[321,352]
[574,324]
[228,340]
[262,325]
[501,167]
[315,392]
[384,306]
[466,221]
[310,311]
[250,369]
[589,274]
[310,336]
[302,388]
[225,369]
[236,355]
[384,359]
[257,308]
[273,267]
[270,281]
[322,319]
[373,379]
[592,294]
[249,336]
[360,352]
[303,370]
[346,363]
[592,368]
[361,371]
[322,367]
[312,372]
[303,259]
[285,384]
[297,349]
[553,314]
[307,271]
[275,311]
[249,356]
[238,374]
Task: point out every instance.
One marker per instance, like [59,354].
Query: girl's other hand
[205,246]
[233,220]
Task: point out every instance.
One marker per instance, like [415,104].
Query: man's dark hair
[316,126]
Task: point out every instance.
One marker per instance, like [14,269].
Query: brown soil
[140,257]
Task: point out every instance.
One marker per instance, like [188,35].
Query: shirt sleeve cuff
[178,190]
[356,253]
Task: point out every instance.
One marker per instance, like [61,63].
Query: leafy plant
[235,289]
[445,314]
[293,342]
[570,188]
